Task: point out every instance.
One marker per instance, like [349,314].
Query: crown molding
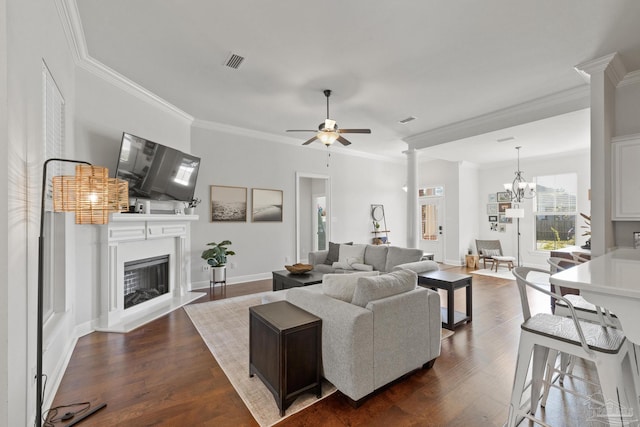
[72,26]
[287,140]
[610,64]
[631,78]
[555,104]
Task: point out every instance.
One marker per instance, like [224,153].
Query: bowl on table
[299,268]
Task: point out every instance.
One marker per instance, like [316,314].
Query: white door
[432,226]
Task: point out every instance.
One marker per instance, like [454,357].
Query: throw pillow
[351,254]
[383,286]
[491,252]
[334,252]
[341,286]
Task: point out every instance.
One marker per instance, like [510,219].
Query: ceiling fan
[328,131]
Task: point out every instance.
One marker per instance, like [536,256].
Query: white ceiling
[440,61]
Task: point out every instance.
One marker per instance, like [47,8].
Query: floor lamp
[517,213]
[92,195]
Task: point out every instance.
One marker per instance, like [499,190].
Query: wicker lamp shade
[91,194]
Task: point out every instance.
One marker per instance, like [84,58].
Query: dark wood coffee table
[449,282]
[285,350]
[284,280]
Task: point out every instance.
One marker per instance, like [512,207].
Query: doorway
[431,226]
[313,208]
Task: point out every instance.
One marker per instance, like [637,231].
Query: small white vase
[189,211]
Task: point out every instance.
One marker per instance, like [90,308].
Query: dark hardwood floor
[163,374]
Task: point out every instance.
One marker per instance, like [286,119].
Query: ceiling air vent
[234,61]
[407,120]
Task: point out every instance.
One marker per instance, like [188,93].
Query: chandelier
[520,189]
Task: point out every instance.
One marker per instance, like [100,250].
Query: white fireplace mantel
[130,237]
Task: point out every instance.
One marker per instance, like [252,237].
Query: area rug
[224,327]
[502,274]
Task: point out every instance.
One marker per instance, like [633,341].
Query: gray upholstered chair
[487,249]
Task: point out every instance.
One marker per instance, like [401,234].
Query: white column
[413,218]
[604,74]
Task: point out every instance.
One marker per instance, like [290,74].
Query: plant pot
[189,211]
[219,274]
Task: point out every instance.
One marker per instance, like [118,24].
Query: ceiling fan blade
[354,130]
[300,130]
[310,140]
[343,141]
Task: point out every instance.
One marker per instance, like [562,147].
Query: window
[53,119]
[555,211]
[184,173]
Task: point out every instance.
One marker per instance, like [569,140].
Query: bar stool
[602,345]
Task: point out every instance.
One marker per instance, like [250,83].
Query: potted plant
[216,257]
[190,209]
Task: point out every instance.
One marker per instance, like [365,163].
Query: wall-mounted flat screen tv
[155,171]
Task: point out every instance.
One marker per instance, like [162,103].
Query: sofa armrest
[347,341]
[418,266]
[407,332]
[318,257]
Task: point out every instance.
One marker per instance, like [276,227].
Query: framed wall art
[266,205]
[493,218]
[503,196]
[492,198]
[502,207]
[504,219]
[228,204]
[502,228]
[492,209]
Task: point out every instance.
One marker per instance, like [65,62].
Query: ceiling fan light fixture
[328,137]
[329,124]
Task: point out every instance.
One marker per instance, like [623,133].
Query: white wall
[104,111]
[246,161]
[470,201]
[4,225]
[33,33]
[492,179]
[627,105]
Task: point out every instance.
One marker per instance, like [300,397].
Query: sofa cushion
[383,286]
[350,255]
[334,252]
[376,256]
[396,256]
[341,286]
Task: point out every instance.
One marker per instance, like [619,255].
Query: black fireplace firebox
[145,279]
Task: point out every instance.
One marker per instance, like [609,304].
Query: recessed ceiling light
[407,120]
[509,138]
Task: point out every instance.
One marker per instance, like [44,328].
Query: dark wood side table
[285,350]
[284,280]
[449,282]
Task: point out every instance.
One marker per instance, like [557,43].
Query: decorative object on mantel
[216,257]
[92,195]
[299,268]
[190,209]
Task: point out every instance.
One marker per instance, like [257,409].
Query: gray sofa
[391,327]
[381,258]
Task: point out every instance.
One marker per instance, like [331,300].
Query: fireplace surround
[130,239]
